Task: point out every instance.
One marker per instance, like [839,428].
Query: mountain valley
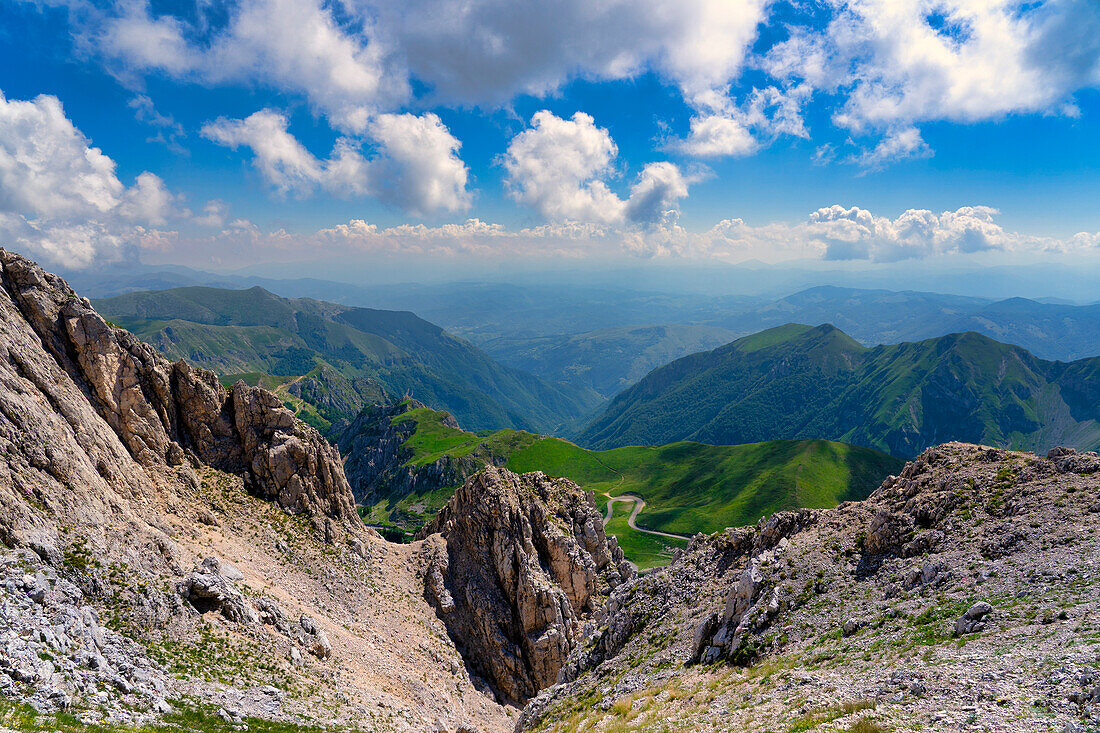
[404,462]
[182,555]
[338,359]
[608,338]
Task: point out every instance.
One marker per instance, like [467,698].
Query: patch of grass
[688,487]
[814,718]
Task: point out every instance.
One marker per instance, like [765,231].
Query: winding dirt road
[639,505]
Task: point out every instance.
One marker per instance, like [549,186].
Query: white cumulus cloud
[885,66]
[558,167]
[355,58]
[420,169]
[60,196]
[280,158]
[293,45]
[895,64]
[47,167]
[855,233]
[417,166]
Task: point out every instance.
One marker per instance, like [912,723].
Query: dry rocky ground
[870,614]
[175,547]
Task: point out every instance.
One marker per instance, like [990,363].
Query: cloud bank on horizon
[856,83]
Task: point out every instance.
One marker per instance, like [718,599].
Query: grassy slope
[692,487]
[799,382]
[688,487]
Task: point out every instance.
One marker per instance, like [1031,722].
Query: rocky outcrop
[120,473]
[973,620]
[962,589]
[54,647]
[522,565]
[287,460]
[211,586]
[113,398]
[1067,460]
[309,634]
[377,464]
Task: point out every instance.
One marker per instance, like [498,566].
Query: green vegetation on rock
[187,716]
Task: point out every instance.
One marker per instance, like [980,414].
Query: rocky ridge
[517,567]
[960,596]
[61,351]
[171,547]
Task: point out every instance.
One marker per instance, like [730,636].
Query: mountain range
[176,555]
[338,358]
[798,381]
[1055,331]
[613,358]
[605,335]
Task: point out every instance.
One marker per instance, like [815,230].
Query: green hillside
[799,382]
[339,359]
[687,487]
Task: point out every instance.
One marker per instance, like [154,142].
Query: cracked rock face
[84,405]
[524,563]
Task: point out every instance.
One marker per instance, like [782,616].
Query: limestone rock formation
[115,398]
[523,565]
[54,646]
[120,474]
[963,590]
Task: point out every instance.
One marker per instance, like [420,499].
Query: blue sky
[866,131]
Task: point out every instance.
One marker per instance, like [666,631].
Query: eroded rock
[525,563]
[209,588]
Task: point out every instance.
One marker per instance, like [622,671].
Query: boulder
[974,619]
[208,589]
[310,635]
